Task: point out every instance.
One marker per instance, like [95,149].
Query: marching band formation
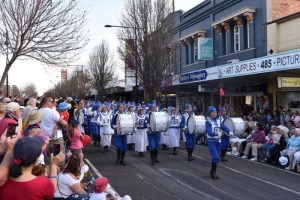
[146,127]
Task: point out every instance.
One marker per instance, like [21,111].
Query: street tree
[49,31]
[101,70]
[151,24]
[29,90]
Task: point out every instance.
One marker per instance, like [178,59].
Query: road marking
[93,168]
[164,171]
[143,178]
[259,163]
[250,176]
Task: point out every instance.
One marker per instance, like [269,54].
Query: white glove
[230,133]
[114,126]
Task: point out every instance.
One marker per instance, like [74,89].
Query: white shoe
[254,158]
[244,156]
[237,154]
[287,168]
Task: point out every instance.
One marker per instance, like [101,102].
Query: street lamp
[135,54]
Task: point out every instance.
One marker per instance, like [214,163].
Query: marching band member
[153,139]
[95,129]
[225,137]
[141,140]
[164,139]
[130,138]
[104,121]
[174,130]
[214,132]
[120,140]
[189,138]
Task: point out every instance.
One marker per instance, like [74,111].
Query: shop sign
[288,82]
[284,61]
[205,49]
[196,76]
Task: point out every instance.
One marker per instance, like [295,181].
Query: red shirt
[40,188]
[65,115]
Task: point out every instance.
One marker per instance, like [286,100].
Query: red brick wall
[282,8]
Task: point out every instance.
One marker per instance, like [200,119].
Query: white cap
[283,160]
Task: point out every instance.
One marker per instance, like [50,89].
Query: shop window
[236,38]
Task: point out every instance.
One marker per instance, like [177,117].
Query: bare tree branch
[50,31]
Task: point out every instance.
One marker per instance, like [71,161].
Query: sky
[100,12]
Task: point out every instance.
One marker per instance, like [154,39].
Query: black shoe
[122,158]
[118,157]
[224,159]
[155,156]
[152,157]
[174,151]
[141,154]
[123,163]
[213,175]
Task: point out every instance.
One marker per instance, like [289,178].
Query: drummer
[174,129]
[214,133]
[120,140]
[225,137]
[153,138]
[189,138]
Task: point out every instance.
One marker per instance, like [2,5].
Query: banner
[205,49]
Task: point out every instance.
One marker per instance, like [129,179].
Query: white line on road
[250,176]
[93,168]
[153,185]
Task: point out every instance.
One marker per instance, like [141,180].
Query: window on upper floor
[248,34]
[192,46]
[187,55]
[236,38]
[196,49]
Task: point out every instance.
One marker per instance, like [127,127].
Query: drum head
[235,125]
[125,124]
[159,122]
[196,124]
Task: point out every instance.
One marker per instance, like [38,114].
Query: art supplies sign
[284,61]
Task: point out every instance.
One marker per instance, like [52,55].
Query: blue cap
[187,106]
[95,106]
[211,109]
[63,106]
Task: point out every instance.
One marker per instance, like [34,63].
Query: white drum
[125,124]
[159,121]
[196,124]
[235,125]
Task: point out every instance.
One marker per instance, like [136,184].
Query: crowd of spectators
[41,155]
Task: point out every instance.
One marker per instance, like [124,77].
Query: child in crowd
[76,138]
[103,191]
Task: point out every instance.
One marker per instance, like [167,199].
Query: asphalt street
[176,178]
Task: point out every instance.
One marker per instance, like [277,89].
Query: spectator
[22,184]
[6,100]
[50,123]
[237,141]
[12,116]
[255,142]
[67,181]
[76,137]
[2,110]
[274,153]
[296,161]
[100,185]
[293,145]
[79,114]
[273,138]
[31,105]
[63,111]
[33,123]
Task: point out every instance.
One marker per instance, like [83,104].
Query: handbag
[74,196]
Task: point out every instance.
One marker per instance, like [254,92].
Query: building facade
[212,34]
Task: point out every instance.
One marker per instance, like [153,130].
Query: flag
[222,94]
